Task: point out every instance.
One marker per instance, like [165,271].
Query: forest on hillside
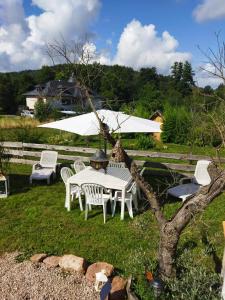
[189,111]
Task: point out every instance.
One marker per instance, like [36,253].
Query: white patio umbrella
[87,124]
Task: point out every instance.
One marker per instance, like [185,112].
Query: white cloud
[209,10]
[109,42]
[203,77]
[22,39]
[141,46]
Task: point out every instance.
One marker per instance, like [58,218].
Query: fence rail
[21,153]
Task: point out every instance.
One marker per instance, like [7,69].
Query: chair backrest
[66,173]
[116,164]
[201,175]
[133,188]
[48,159]
[78,165]
[93,193]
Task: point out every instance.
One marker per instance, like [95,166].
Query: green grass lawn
[33,219]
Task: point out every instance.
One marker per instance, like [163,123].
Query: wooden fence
[27,153]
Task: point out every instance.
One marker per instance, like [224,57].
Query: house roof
[55,88]
[156,114]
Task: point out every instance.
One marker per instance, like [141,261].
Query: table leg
[67,203]
[122,205]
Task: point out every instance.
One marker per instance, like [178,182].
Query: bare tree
[214,67]
[214,64]
[170,229]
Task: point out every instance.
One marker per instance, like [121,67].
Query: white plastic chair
[46,167]
[66,173]
[78,165]
[114,164]
[201,178]
[130,198]
[49,160]
[95,195]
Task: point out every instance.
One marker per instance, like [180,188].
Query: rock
[73,263]
[52,261]
[118,290]
[97,267]
[39,257]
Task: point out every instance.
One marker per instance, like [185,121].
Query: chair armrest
[34,167]
[186,180]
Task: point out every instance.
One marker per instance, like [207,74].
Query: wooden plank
[22,161]
[180,167]
[38,155]
[73,157]
[167,166]
[60,147]
[13,144]
[176,156]
[15,152]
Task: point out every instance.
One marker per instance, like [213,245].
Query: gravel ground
[35,281]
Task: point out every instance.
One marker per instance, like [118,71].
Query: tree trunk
[169,238]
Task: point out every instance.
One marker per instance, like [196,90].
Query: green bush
[28,135]
[144,142]
[42,110]
[64,138]
[177,125]
[193,282]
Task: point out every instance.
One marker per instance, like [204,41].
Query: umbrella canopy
[87,124]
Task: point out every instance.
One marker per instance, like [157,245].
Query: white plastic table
[115,178]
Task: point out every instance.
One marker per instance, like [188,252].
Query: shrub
[42,110]
[145,142]
[177,125]
[28,135]
[193,282]
[64,138]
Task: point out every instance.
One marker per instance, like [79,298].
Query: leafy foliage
[145,142]
[176,126]
[7,94]
[42,110]
[140,93]
[193,282]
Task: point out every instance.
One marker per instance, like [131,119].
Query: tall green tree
[188,73]
[44,75]
[7,95]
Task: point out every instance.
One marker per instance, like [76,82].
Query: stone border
[72,263]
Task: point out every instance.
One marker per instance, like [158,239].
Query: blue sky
[174,16]
[171,15]
[140,33]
